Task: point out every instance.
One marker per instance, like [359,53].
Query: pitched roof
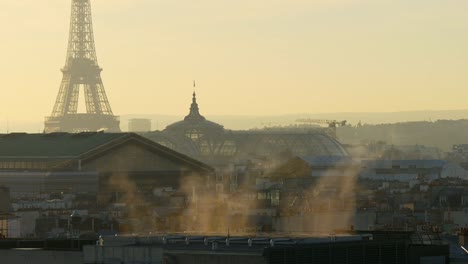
[53,145]
[67,146]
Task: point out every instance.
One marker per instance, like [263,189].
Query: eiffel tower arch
[81,72]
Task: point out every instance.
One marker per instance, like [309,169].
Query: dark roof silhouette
[68,146]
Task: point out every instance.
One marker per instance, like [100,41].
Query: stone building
[103,163]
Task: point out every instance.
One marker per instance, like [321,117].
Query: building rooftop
[54,144]
[194,123]
[62,147]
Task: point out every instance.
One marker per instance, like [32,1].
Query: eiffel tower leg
[62,96]
[72,102]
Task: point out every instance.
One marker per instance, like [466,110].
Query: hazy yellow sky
[249,57]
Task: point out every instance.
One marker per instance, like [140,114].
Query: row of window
[23,165]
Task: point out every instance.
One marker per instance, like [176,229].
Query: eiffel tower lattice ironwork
[81,72]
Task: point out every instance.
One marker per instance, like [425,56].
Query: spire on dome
[194,110]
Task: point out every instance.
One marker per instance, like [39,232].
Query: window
[219,178]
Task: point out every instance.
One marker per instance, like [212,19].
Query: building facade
[93,162]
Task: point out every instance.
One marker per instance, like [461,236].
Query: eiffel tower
[81,72]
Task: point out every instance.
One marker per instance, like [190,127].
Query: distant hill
[442,134]
[249,122]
